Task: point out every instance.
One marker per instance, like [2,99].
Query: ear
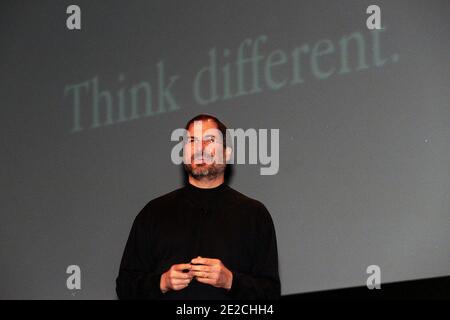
[228,151]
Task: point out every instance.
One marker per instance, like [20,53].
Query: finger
[182,266]
[181,275]
[179,287]
[202,274]
[205,261]
[201,268]
[199,260]
[206,281]
[181,281]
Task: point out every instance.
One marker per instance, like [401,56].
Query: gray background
[364,156]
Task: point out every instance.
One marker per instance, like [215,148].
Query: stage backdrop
[363,118]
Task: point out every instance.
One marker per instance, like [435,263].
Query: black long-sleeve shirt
[219,223]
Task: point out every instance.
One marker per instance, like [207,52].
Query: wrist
[162,283]
[230,281]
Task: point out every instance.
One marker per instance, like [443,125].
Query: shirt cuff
[152,286]
[235,289]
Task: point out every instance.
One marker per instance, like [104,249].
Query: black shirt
[219,223]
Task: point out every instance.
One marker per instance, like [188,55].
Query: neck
[206,183]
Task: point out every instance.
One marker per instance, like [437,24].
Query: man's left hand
[211,271]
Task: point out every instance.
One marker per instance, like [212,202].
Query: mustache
[201,155]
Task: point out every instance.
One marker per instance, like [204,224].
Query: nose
[198,149]
[201,146]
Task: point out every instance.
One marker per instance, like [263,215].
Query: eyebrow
[208,135]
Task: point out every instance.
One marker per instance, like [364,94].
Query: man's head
[205,152]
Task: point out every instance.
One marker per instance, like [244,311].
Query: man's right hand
[175,278]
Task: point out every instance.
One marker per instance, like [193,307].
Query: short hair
[220,126]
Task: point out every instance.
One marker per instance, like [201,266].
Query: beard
[208,171]
[204,170]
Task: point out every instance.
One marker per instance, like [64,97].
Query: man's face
[204,155]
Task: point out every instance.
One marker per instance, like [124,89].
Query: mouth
[202,159]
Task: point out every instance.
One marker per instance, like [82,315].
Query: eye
[209,139]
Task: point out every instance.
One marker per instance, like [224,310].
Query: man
[205,240]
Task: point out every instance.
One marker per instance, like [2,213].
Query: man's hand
[211,271]
[175,278]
